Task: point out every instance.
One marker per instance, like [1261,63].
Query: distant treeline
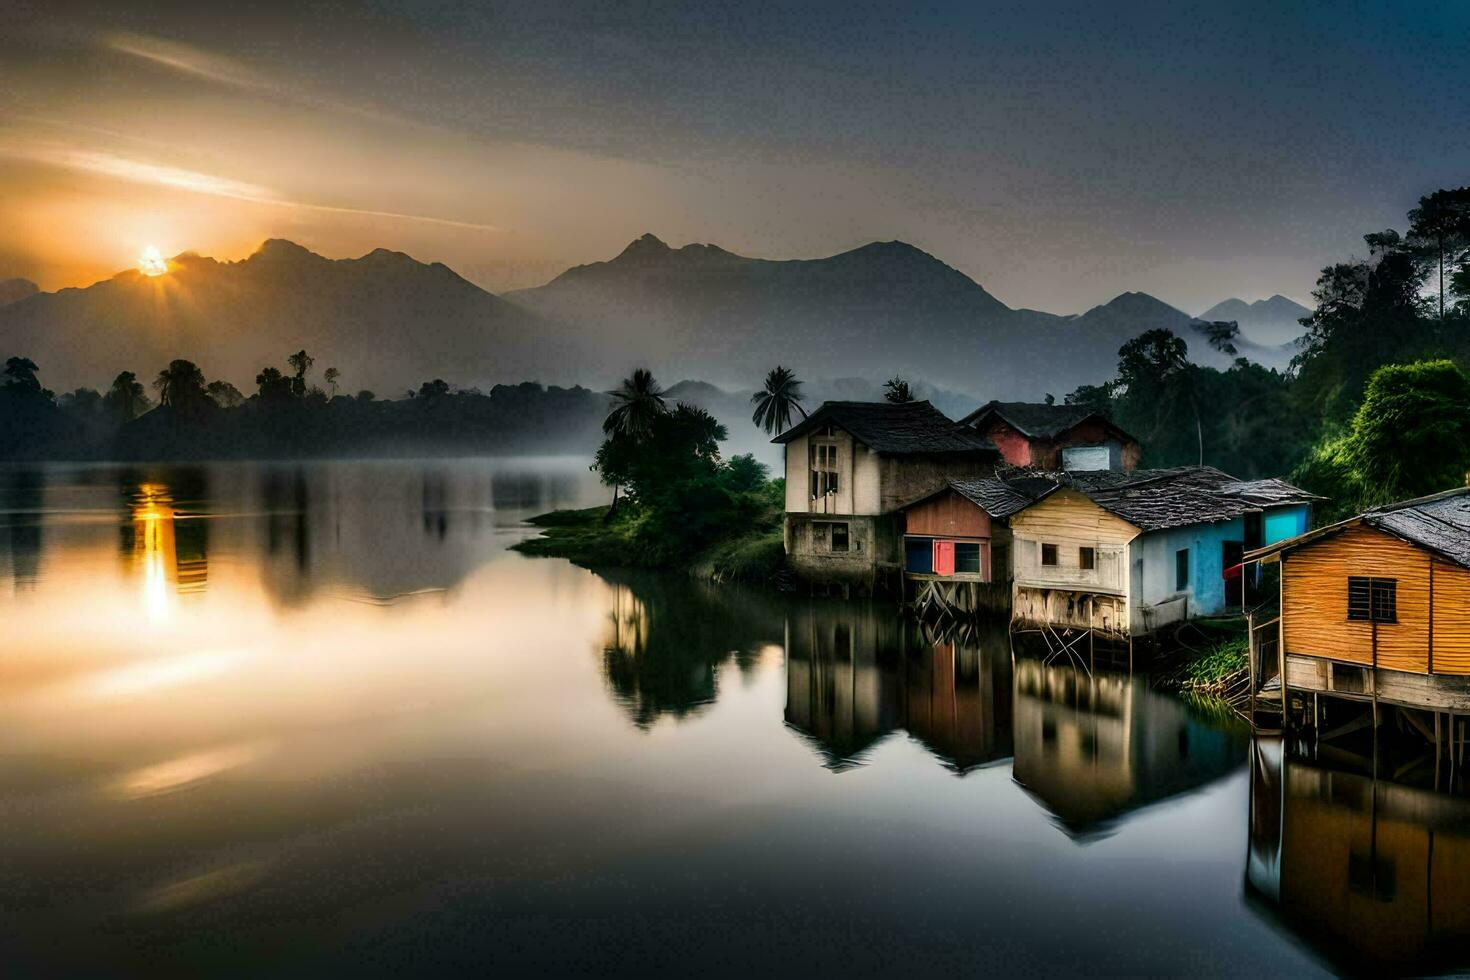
[287,415]
[1376,404]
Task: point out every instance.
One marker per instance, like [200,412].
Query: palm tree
[636,403]
[180,385]
[897,390]
[126,397]
[300,362]
[774,403]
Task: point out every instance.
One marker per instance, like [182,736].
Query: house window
[839,537]
[832,537]
[967,558]
[1048,554]
[1181,569]
[824,469]
[1086,557]
[918,555]
[1373,600]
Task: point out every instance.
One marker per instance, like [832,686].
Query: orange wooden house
[1377,607]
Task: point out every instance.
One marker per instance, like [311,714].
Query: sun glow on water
[152,262]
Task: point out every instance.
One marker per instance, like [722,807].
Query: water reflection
[668,640]
[1373,874]
[315,719]
[1094,747]
[166,547]
[21,499]
[1090,747]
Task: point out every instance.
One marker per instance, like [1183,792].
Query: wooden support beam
[1357,724]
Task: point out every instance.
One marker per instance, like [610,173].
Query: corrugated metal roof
[896,428]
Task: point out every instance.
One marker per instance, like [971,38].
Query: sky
[1058,153]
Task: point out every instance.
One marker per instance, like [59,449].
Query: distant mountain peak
[15,290]
[646,245]
[282,250]
[1134,303]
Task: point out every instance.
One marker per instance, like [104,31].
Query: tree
[180,386]
[437,388]
[365,396]
[224,394]
[1409,437]
[1440,229]
[301,363]
[1154,370]
[636,403]
[275,389]
[774,402]
[20,375]
[127,398]
[1221,335]
[896,390]
[331,376]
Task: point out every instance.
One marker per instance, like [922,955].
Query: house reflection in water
[1093,748]
[855,675]
[1373,874]
[1090,748]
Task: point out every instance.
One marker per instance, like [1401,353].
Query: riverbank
[595,537]
[1211,663]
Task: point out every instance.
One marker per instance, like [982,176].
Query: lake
[315,719]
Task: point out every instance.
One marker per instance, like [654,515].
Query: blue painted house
[1128,553]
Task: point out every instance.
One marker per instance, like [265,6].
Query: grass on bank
[746,547]
[1213,660]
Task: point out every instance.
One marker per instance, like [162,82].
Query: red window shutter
[943,557]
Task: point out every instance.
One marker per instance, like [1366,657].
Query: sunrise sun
[151,262]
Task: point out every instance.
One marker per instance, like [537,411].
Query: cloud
[221,70]
[139,172]
[196,182]
[192,61]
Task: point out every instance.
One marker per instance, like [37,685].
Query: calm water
[313,720]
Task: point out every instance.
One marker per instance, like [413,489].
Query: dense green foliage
[682,505]
[1337,422]
[1409,437]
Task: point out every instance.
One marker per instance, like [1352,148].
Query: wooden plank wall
[947,516]
[1314,604]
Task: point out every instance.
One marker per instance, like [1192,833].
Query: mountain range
[388,321]
[1268,321]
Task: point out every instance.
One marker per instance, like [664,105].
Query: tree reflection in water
[22,494]
[668,640]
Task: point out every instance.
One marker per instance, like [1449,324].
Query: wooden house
[1124,554]
[957,545]
[1377,607]
[850,466]
[1054,437]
